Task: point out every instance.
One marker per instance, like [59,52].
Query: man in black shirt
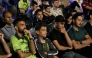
[61,40]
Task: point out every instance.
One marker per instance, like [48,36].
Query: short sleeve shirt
[60,37]
[56,12]
[77,35]
[21,44]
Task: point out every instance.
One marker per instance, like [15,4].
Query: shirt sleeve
[53,50]
[15,44]
[52,36]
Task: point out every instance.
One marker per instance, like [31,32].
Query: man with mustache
[80,39]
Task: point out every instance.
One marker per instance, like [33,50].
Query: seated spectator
[65,3]
[61,40]
[8,30]
[44,3]
[88,26]
[44,46]
[30,12]
[55,11]
[69,21]
[4,49]
[22,42]
[46,14]
[38,17]
[80,38]
[23,6]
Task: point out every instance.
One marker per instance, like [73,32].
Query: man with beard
[61,40]
[22,43]
[80,39]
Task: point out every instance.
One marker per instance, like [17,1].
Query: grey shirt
[8,32]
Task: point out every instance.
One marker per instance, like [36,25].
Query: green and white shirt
[18,43]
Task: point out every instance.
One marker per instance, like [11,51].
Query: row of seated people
[73,43]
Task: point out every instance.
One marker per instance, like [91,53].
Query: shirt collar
[76,30]
[9,27]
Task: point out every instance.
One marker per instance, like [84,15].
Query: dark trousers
[87,52]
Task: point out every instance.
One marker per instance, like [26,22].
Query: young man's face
[39,15]
[69,19]
[78,21]
[42,32]
[35,7]
[59,25]
[48,9]
[21,26]
[56,4]
[45,2]
[8,18]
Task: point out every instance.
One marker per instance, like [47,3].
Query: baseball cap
[60,18]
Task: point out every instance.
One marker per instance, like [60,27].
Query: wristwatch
[80,42]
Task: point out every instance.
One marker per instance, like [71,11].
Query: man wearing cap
[80,39]
[61,40]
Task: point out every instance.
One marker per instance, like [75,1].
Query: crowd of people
[45,29]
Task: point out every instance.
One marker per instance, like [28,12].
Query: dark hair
[46,6]
[5,13]
[15,22]
[68,15]
[39,25]
[54,1]
[34,3]
[38,10]
[72,10]
[75,16]
[44,0]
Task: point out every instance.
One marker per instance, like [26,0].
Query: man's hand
[27,32]
[45,53]
[63,30]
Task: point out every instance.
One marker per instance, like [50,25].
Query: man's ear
[37,32]
[16,28]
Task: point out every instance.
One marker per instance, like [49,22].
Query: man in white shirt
[55,11]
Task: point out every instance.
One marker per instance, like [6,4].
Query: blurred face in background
[45,3]
[8,18]
[56,4]
[47,9]
[40,15]
[35,7]
[69,20]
